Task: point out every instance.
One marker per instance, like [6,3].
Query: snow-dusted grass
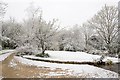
[77,70]
[5,54]
[72,56]
[6,51]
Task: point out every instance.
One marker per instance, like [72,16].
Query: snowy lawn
[5,54]
[86,71]
[72,56]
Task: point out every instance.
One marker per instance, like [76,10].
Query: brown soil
[19,70]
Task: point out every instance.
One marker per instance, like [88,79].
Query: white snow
[5,51]
[56,74]
[5,54]
[12,63]
[89,71]
[72,56]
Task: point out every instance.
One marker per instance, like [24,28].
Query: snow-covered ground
[78,70]
[72,56]
[85,71]
[6,51]
[5,54]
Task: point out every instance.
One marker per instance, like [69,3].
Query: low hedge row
[70,62]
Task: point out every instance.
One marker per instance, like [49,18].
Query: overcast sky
[69,12]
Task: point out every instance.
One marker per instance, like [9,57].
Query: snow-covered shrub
[7,43]
[99,61]
[96,52]
[43,55]
[102,57]
[27,50]
[69,48]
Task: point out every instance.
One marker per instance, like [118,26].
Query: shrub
[109,62]
[42,55]
[19,54]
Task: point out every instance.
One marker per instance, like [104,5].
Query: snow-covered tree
[71,39]
[40,32]
[106,24]
[87,32]
[63,39]
[44,33]
[2,12]
[76,38]
[12,30]
[2,9]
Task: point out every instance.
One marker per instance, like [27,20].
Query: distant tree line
[98,33]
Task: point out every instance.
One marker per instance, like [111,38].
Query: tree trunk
[86,43]
[43,51]
[43,47]
[109,47]
[109,50]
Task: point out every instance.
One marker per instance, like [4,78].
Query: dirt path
[11,68]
